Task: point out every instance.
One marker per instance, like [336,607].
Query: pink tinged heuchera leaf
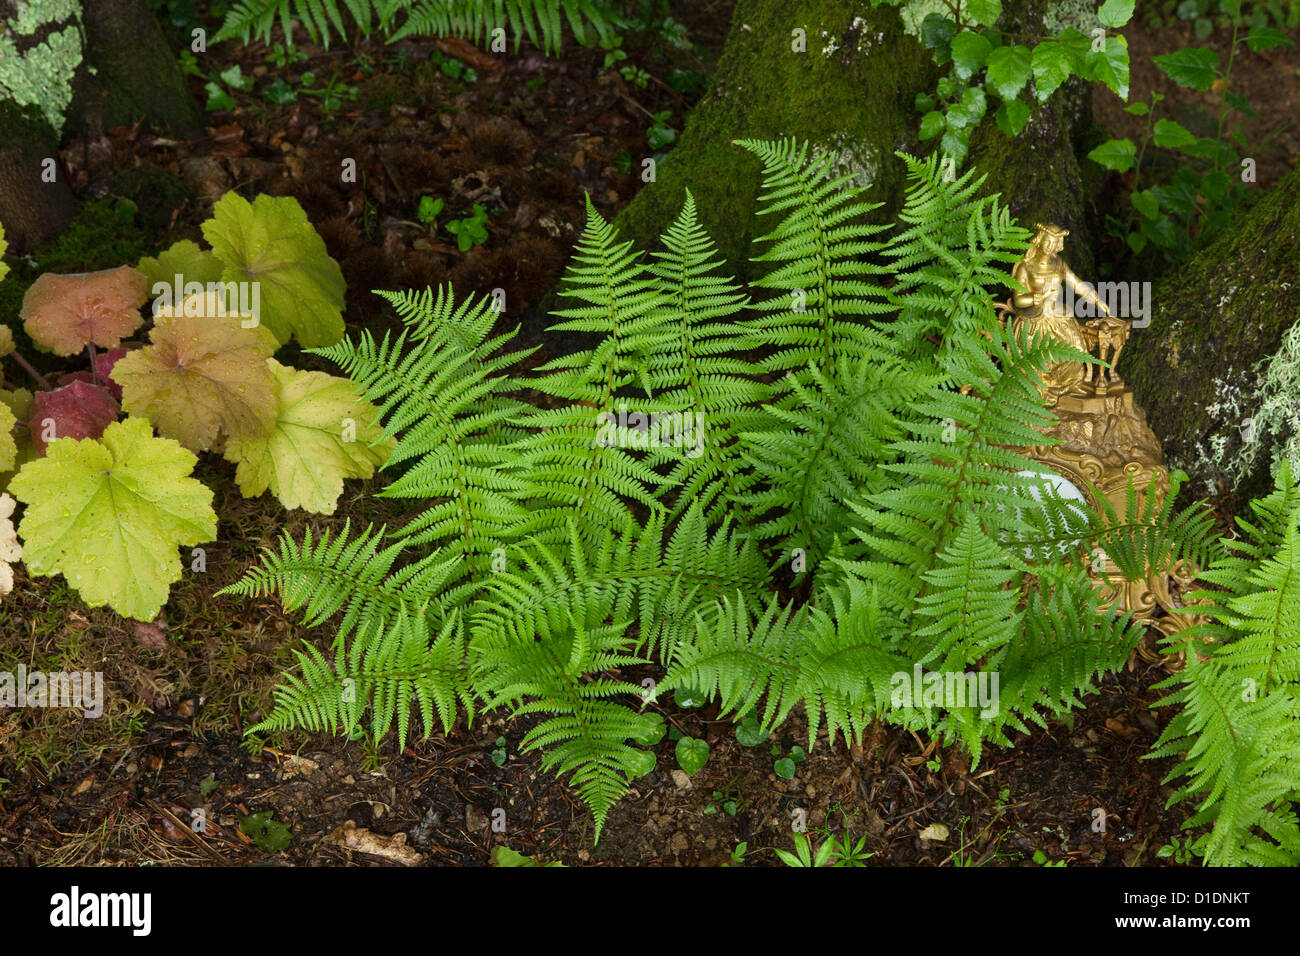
[202,380]
[109,515]
[76,410]
[104,362]
[65,313]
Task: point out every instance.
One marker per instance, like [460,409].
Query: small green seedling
[784,767]
[738,854]
[692,754]
[499,752]
[429,210]
[470,231]
[268,833]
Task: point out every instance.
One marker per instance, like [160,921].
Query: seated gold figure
[1041,310]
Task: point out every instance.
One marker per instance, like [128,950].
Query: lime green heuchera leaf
[185,259]
[109,514]
[271,242]
[325,432]
[8,446]
[4,247]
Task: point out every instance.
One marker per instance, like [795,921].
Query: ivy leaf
[1012,116]
[937,32]
[1111,66]
[969,110]
[1051,68]
[692,754]
[324,432]
[10,549]
[110,514]
[202,380]
[271,242]
[65,313]
[1195,67]
[1075,48]
[1172,135]
[955,143]
[77,410]
[1116,13]
[1266,38]
[1116,154]
[984,12]
[969,52]
[931,124]
[1147,203]
[1009,69]
[184,259]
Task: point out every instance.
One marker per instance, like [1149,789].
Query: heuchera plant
[109,501]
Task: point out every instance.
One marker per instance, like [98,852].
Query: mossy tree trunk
[853,91]
[1213,320]
[36,202]
[135,76]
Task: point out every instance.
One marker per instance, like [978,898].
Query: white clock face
[1058,486]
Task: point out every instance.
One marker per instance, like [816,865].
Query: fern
[696,371]
[440,396]
[818,249]
[540,21]
[1238,729]
[557,542]
[577,458]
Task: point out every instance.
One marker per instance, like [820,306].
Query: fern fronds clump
[860,505]
[1238,727]
[541,22]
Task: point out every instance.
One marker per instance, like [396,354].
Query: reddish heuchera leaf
[65,313]
[104,362]
[77,410]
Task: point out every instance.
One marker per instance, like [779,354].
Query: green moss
[105,234]
[161,197]
[836,94]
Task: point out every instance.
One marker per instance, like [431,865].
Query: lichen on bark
[1216,320]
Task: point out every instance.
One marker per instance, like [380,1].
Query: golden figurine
[1042,309]
[1104,441]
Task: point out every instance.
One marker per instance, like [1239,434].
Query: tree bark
[33,210]
[136,75]
[1214,319]
[853,91]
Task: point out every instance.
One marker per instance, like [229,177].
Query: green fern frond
[1239,726]
[824,447]
[385,670]
[559,673]
[697,371]
[577,461]
[958,246]
[353,575]
[440,395]
[541,21]
[821,248]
